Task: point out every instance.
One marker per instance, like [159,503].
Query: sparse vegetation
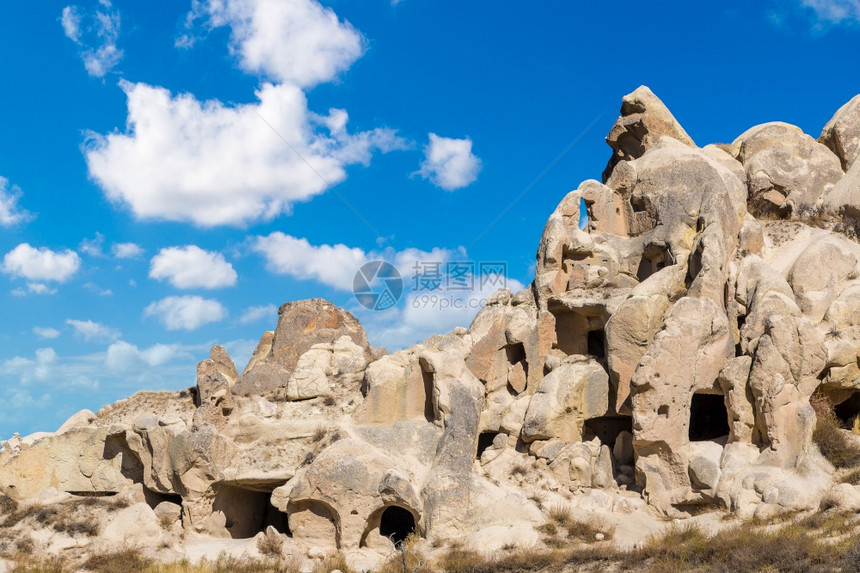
[7,504]
[319,433]
[271,544]
[834,445]
[128,559]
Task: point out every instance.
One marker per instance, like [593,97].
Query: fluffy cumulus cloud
[186,312]
[126,250]
[256,313]
[181,159]
[41,264]
[331,265]
[834,11]
[449,163]
[93,331]
[192,267]
[10,213]
[298,42]
[96,33]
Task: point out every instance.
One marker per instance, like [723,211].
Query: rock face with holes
[686,314]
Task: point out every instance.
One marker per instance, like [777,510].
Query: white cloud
[181,159]
[10,213]
[96,35]
[126,250]
[192,267]
[93,331]
[93,247]
[298,42]
[96,289]
[71,21]
[425,313]
[46,333]
[41,264]
[40,288]
[834,11]
[123,357]
[37,369]
[186,312]
[333,265]
[449,163]
[256,313]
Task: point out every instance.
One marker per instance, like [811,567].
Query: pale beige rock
[134,524]
[788,173]
[644,119]
[842,133]
[79,419]
[570,394]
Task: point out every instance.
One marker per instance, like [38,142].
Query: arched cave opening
[396,523]
[654,258]
[485,440]
[248,509]
[606,428]
[709,418]
[848,410]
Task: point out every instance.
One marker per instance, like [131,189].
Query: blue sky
[171,172]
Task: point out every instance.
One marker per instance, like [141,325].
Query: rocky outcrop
[684,312]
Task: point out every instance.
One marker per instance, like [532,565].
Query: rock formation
[663,358]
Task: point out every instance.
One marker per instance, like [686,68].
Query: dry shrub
[405,558]
[332,562]
[792,548]
[319,433]
[271,544]
[128,559]
[587,529]
[834,445]
[66,518]
[7,504]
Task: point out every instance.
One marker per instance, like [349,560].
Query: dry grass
[834,445]
[406,557]
[332,562]
[586,528]
[319,434]
[131,559]
[271,544]
[122,560]
[7,504]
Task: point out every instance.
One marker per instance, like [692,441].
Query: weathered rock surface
[664,357]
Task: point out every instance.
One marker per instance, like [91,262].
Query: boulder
[842,133]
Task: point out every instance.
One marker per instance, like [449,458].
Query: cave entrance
[518,367]
[485,440]
[248,509]
[580,332]
[709,418]
[390,523]
[654,258]
[606,429]
[153,498]
[429,385]
[848,411]
[396,523]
